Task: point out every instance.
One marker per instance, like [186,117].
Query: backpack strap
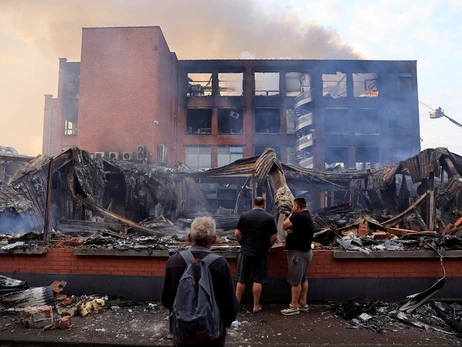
[187,256]
[210,258]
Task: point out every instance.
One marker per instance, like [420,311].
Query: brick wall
[124,78]
[63,261]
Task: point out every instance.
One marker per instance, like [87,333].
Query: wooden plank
[400,216]
[121,219]
[395,254]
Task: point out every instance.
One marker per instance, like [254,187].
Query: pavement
[143,324]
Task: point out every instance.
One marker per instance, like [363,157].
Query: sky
[34,34]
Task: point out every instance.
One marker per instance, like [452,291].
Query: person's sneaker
[303,308]
[291,311]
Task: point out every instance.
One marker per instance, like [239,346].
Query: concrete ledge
[23,251]
[141,253]
[395,255]
[121,253]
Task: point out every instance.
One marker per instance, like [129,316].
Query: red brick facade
[127,77]
[63,261]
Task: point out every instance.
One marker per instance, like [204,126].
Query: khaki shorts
[298,263]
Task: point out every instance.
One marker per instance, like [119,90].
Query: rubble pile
[44,307]
[372,314]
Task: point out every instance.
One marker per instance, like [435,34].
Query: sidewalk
[145,325]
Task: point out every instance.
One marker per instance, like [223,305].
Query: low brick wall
[333,275]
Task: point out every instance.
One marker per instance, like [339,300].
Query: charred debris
[76,199]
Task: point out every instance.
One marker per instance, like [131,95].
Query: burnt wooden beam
[400,216]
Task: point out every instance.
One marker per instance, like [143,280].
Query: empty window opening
[267,121]
[405,82]
[199,157]
[199,121]
[334,85]
[230,121]
[266,83]
[367,122]
[367,157]
[199,84]
[336,158]
[365,85]
[259,149]
[297,83]
[336,121]
[290,121]
[227,155]
[70,128]
[230,84]
[400,122]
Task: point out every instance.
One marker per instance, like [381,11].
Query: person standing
[256,232]
[203,235]
[300,229]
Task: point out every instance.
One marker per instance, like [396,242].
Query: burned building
[131,98]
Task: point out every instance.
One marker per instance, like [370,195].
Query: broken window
[336,158]
[259,149]
[230,121]
[400,122]
[367,157]
[291,157]
[230,84]
[365,85]
[199,121]
[297,83]
[290,121]
[404,83]
[199,157]
[367,122]
[70,128]
[227,155]
[267,121]
[334,85]
[199,84]
[336,121]
[266,83]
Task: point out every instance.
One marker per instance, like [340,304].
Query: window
[367,122]
[405,83]
[230,84]
[297,83]
[227,155]
[336,121]
[365,85]
[199,157]
[334,85]
[367,157]
[199,84]
[230,121]
[336,158]
[400,122]
[199,121]
[266,83]
[70,128]
[267,121]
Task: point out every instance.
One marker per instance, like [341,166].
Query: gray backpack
[195,311]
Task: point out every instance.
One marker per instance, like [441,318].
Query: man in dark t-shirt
[256,233]
[300,230]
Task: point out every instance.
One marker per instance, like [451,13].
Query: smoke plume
[33,34]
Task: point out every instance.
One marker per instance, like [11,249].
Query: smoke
[33,34]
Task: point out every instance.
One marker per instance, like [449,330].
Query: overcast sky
[34,34]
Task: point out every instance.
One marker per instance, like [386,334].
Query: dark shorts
[253,269]
[298,263]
